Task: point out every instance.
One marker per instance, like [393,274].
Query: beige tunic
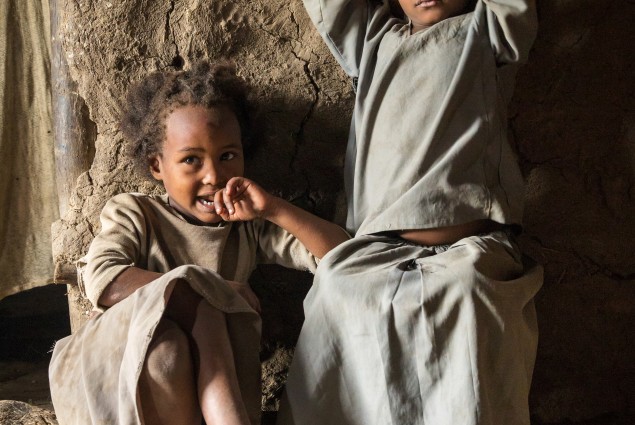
[94,373]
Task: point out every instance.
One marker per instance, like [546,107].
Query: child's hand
[241,200]
[244,290]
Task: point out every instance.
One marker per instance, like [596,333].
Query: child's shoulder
[134,203]
[135,199]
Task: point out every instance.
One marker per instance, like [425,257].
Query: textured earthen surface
[574,121]
[19,413]
[573,124]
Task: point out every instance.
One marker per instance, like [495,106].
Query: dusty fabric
[429,125]
[146,232]
[397,333]
[28,195]
[94,373]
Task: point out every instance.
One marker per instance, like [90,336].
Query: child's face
[201,152]
[425,13]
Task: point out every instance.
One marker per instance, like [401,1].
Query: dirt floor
[30,323]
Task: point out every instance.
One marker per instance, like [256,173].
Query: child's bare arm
[242,199]
[317,235]
[134,278]
[125,284]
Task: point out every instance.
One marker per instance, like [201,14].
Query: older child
[427,315]
[179,339]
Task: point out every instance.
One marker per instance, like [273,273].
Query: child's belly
[450,234]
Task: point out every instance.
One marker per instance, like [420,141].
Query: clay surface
[19,413]
[573,126]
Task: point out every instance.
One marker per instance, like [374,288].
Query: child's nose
[212,175]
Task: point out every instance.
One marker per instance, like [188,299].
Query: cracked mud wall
[302,97]
[573,124]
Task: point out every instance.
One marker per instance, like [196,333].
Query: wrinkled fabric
[146,232]
[428,143]
[396,333]
[28,194]
[94,373]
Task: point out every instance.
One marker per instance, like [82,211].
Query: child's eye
[227,156]
[191,160]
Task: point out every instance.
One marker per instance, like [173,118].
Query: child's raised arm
[344,24]
[513,25]
[242,200]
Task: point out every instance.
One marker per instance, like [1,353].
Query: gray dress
[397,333]
[94,373]
[428,145]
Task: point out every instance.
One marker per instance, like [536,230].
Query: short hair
[151,100]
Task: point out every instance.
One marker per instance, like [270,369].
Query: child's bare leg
[218,392]
[167,388]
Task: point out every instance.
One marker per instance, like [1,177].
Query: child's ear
[154,163]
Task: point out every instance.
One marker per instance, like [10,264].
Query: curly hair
[151,100]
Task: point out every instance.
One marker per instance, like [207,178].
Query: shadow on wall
[573,118]
[305,164]
[573,121]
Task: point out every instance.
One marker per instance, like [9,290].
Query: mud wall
[573,127]
[574,122]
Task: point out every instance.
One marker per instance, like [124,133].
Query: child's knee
[169,357]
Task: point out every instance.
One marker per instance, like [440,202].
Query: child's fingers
[230,187]
[219,204]
[227,201]
[236,186]
[233,185]
[251,299]
[247,293]
[222,212]
[256,304]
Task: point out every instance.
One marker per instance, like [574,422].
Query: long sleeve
[344,25]
[512,26]
[115,248]
[277,246]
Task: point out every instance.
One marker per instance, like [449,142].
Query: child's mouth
[426,3]
[206,202]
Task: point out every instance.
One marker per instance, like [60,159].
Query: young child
[178,339]
[426,316]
